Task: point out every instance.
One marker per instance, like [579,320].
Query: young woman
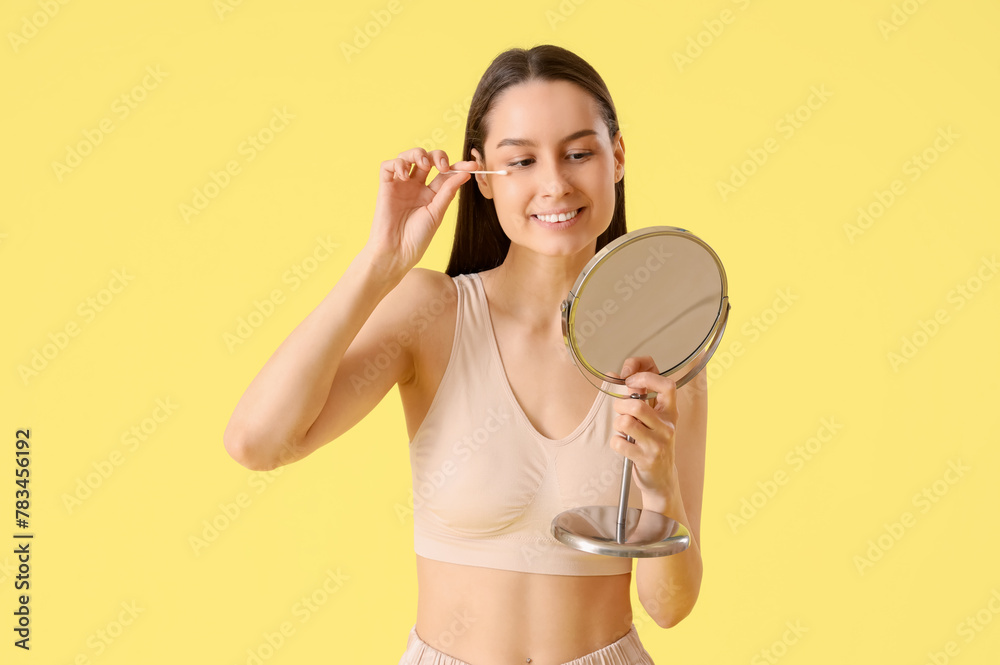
[505,431]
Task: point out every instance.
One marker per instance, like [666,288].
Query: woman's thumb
[444,195]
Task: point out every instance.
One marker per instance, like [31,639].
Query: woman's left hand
[652,424]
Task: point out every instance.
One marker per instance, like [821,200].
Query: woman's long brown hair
[480,243]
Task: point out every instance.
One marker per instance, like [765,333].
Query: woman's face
[551,139]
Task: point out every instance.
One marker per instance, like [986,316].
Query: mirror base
[595,529]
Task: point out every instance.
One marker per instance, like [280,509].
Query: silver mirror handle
[626,486]
[627,469]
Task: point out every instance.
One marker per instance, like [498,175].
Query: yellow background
[686,126]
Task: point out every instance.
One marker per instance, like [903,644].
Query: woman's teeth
[558,218]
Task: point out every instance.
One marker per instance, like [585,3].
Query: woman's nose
[554,179]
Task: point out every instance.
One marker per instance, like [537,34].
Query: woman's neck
[530,287]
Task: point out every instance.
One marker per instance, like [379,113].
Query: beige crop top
[486,483]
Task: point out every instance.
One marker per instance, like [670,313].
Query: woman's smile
[561,220]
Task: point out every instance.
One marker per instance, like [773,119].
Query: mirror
[661,292]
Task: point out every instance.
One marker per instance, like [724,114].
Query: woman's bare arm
[275,414]
[303,397]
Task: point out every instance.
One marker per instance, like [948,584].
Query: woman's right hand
[408,210]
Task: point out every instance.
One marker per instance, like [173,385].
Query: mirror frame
[569,310]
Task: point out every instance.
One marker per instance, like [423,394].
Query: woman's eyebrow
[530,143]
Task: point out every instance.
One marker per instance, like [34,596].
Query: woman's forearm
[668,586]
[285,398]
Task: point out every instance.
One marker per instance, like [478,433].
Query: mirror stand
[678,321]
[621,530]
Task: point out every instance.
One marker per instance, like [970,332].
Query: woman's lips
[566,223]
[558,218]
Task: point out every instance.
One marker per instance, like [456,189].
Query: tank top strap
[473,362]
[465,366]
[474,320]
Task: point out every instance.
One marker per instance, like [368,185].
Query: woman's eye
[574,157]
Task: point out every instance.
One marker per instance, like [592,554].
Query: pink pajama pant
[626,651]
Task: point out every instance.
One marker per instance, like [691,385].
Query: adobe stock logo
[900,16]
[914,167]
[926,330]
[705,38]
[31,26]
[264,309]
[230,511]
[779,648]
[454,117]
[88,310]
[626,287]
[381,18]
[131,439]
[796,458]
[104,637]
[565,9]
[223,7]
[303,609]
[969,627]
[787,126]
[428,483]
[249,149]
[924,500]
[725,357]
[122,107]
[418,322]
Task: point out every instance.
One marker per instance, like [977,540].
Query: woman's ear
[484,184]
[618,147]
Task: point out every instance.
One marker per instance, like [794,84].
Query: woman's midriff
[486,616]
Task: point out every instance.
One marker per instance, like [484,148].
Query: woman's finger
[638,364]
[419,158]
[637,409]
[387,170]
[441,178]
[444,191]
[665,388]
[625,448]
[440,159]
[402,168]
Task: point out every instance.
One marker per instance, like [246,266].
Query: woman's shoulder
[428,300]
[426,276]
[423,285]
[431,304]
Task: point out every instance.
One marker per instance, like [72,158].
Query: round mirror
[660,292]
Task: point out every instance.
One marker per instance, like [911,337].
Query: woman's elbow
[240,454]
[671,620]
[246,454]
